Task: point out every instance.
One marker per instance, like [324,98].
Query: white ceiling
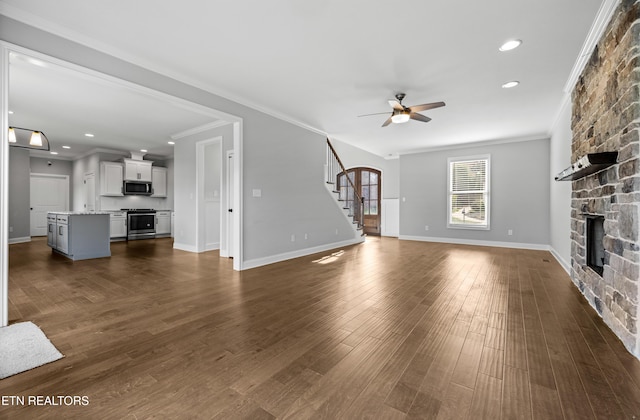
[323,63]
[66,104]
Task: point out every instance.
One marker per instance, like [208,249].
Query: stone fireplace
[605,206]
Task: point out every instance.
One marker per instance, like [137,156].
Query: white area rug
[24,346]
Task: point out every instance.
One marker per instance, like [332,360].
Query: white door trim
[4,187]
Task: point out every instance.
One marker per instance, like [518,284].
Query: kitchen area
[119,199]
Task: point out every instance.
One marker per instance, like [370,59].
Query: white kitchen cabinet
[111,178]
[137,170]
[118,225]
[159,181]
[62,233]
[52,230]
[163,223]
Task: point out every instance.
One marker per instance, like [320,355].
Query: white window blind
[469,193]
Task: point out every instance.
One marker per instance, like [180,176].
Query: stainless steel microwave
[137,188]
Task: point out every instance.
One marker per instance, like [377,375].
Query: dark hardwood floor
[386,329]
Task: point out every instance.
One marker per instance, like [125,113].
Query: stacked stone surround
[606,117]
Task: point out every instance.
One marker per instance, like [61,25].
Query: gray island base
[79,235]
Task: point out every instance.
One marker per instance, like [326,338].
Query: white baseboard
[184,247]
[212,246]
[19,240]
[561,261]
[516,245]
[258,262]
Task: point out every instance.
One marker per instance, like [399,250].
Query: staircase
[346,193]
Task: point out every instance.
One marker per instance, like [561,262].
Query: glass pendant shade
[36,139]
[12,135]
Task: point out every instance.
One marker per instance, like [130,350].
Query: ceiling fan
[402,114]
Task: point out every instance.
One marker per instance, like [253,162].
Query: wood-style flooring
[386,329]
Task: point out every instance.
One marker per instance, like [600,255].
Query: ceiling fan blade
[419,117]
[396,105]
[424,107]
[386,123]
[377,113]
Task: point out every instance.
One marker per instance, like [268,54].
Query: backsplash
[134,202]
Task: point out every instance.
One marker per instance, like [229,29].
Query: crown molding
[598,27]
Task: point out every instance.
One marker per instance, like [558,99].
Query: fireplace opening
[595,243]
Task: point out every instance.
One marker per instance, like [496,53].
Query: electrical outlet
[426,227]
[10,228]
[336,231]
[293,238]
[306,236]
[510,232]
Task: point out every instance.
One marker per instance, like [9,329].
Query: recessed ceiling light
[510,45]
[54,153]
[171,142]
[88,135]
[511,84]
[66,147]
[144,150]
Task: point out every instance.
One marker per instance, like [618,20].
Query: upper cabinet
[159,181]
[111,178]
[137,170]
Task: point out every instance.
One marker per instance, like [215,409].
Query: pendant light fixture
[28,139]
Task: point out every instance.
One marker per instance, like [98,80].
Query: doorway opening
[368,182]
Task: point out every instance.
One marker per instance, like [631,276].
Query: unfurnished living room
[340,210]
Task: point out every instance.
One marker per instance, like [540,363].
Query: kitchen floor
[384,329]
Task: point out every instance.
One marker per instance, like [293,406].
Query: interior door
[47,193]
[368,182]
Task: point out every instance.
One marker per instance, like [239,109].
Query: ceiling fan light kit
[402,114]
[400,117]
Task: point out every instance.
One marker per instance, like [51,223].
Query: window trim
[486,192]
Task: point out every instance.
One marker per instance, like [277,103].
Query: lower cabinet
[163,223]
[118,226]
[79,235]
[52,230]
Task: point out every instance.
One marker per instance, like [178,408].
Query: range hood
[587,165]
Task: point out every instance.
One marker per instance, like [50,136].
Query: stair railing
[335,168]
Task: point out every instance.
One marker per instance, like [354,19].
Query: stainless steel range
[141,223]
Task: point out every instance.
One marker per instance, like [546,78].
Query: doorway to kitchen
[6,51]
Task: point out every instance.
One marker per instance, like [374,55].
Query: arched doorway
[368,182]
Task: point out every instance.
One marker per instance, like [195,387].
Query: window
[469,192]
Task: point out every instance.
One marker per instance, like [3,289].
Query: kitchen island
[79,235]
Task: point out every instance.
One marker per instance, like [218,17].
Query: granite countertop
[74,213]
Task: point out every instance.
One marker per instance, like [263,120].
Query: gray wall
[560,192]
[19,193]
[519,194]
[355,157]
